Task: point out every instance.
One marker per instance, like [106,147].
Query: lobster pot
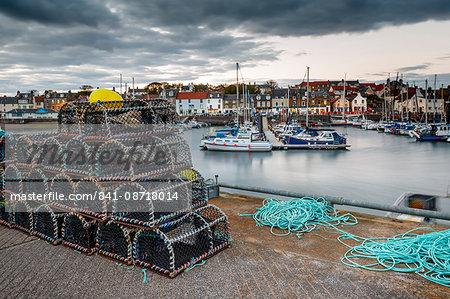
[199,191]
[14,185]
[112,112]
[5,217]
[48,224]
[156,202]
[172,247]
[136,213]
[62,183]
[90,191]
[114,241]
[22,217]
[218,223]
[79,233]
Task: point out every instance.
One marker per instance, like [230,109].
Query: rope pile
[426,254]
[299,215]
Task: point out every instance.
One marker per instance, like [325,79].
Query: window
[276,104]
[218,106]
[201,101]
[303,103]
[189,101]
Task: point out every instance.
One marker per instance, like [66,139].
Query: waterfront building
[358,103]
[262,102]
[316,86]
[169,94]
[336,104]
[55,100]
[229,103]
[188,103]
[30,114]
[214,102]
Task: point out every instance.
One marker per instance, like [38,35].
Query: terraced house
[188,103]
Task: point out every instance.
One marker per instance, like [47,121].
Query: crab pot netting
[199,191]
[150,212]
[173,246]
[114,241]
[79,233]
[22,216]
[91,188]
[63,183]
[118,112]
[48,223]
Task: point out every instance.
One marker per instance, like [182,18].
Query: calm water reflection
[377,168]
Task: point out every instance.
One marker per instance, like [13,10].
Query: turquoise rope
[427,254]
[195,265]
[299,215]
[145,276]
[136,269]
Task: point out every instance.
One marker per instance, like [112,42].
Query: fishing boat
[325,138]
[241,143]
[433,132]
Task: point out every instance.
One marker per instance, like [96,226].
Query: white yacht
[240,143]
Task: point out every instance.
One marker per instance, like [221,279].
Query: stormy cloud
[63,44]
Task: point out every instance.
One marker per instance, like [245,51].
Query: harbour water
[377,168]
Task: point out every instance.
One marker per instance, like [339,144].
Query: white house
[359,103]
[214,102]
[188,103]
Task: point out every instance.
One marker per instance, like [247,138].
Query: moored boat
[325,138]
[240,143]
[433,132]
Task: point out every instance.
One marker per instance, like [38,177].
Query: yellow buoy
[106,95]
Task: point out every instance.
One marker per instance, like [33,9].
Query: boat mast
[401,95]
[415,95]
[426,101]
[384,97]
[343,98]
[434,97]
[238,103]
[407,102]
[444,115]
[307,95]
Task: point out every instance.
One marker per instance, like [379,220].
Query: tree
[272,84]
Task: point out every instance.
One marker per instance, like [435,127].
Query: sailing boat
[247,141]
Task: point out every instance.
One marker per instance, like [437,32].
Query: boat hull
[232,148]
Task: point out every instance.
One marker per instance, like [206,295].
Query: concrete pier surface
[258,265]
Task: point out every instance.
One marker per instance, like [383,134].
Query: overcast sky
[61,45]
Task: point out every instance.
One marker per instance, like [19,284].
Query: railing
[345,202]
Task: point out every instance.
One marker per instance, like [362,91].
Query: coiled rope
[427,254]
[299,215]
